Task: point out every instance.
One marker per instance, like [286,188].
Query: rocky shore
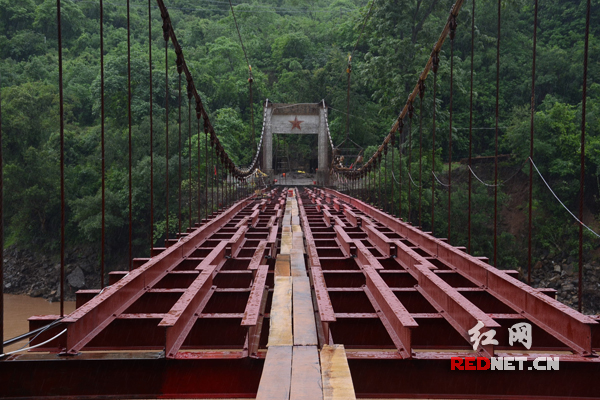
[562,274]
[38,275]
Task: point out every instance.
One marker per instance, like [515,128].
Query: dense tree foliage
[298,50]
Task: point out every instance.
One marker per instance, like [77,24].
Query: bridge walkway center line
[294,368]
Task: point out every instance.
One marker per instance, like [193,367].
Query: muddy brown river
[17,308]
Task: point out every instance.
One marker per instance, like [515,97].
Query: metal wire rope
[561,203]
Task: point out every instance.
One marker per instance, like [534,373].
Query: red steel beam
[457,310]
[258,256]
[182,316]
[252,311]
[570,327]
[131,375]
[394,315]
[86,322]
[237,240]
[326,313]
[255,309]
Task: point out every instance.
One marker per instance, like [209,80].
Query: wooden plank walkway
[294,368]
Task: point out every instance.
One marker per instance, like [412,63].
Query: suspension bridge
[323,291]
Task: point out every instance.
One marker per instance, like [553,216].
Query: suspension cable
[471,126]
[198,115]
[169,33]
[434,67]
[496,137]
[411,111]
[421,95]
[130,260]
[452,35]
[212,173]
[454,12]
[102,150]
[206,168]
[62,160]
[530,224]
[151,98]
[189,157]
[582,157]
[1,232]
[239,34]
[385,186]
[579,220]
[400,142]
[379,181]
[166,37]
[179,154]
[349,70]
[250,77]
[362,29]
[392,169]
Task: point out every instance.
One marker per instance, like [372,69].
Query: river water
[17,308]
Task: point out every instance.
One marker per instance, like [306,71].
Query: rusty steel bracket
[182,316]
[255,310]
[394,316]
[567,325]
[326,314]
[91,318]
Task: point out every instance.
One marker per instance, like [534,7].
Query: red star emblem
[296,124]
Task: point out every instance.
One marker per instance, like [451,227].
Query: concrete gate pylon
[297,119]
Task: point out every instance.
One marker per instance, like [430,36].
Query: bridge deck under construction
[303,294]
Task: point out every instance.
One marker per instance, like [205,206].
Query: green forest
[299,52]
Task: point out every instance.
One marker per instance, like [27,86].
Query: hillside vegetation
[298,50]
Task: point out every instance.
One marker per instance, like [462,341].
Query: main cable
[250,77]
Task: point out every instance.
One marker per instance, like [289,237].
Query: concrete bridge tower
[297,119]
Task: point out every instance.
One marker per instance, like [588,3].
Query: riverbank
[17,308]
[38,274]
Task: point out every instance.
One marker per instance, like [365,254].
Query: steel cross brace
[182,316]
[326,313]
[570,327]
[255,310]
[91,318]
[394,316]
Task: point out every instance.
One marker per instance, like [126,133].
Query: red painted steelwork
[199,305]
[325,309]
[181,318]
[569,326]
[86,322]
[372,269]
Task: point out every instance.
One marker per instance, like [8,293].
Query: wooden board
[305,331]
[297,262]
[280,331]
[306,374]
[286,242]
[337,381]
[282,265]
[275,380]
[297,240]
